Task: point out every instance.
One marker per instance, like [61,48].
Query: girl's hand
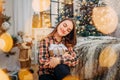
[68,55]
[73,54]
[54,62]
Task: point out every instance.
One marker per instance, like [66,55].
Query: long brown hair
[70,39]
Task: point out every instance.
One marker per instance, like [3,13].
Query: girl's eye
[69,30]
[64,24]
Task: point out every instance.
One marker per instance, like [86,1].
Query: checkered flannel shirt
[44,56]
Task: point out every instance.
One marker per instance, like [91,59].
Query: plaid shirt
[44,56]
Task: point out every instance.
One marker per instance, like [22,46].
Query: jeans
[60,71]
[47,77]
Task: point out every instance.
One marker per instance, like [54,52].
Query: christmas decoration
[66,10]
[15,40]
[83,17]
[101,17]
[6,42]
[20,36]
[3,75]
[4,20]
[70,77]
[36,21]
[4,23]
[1,5]
[25,45]
[25,74]
[40,5]
[108,57]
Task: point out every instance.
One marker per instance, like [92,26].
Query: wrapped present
[57,49]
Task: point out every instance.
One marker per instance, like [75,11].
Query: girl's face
[64,28]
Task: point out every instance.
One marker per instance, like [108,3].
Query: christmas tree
[83,16]
[66,11]
[85,26]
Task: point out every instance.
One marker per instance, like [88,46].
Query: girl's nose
[65,29]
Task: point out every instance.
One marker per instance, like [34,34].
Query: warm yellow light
[1,5]
[70,77]
[2,44]
[35,21]
[3,75]
[40,5]
[24,74]
[105,19]
[6,42]
[108,57]
[68,1]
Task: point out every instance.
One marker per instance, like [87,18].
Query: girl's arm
[44,58]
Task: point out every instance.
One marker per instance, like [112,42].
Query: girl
[56,54]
